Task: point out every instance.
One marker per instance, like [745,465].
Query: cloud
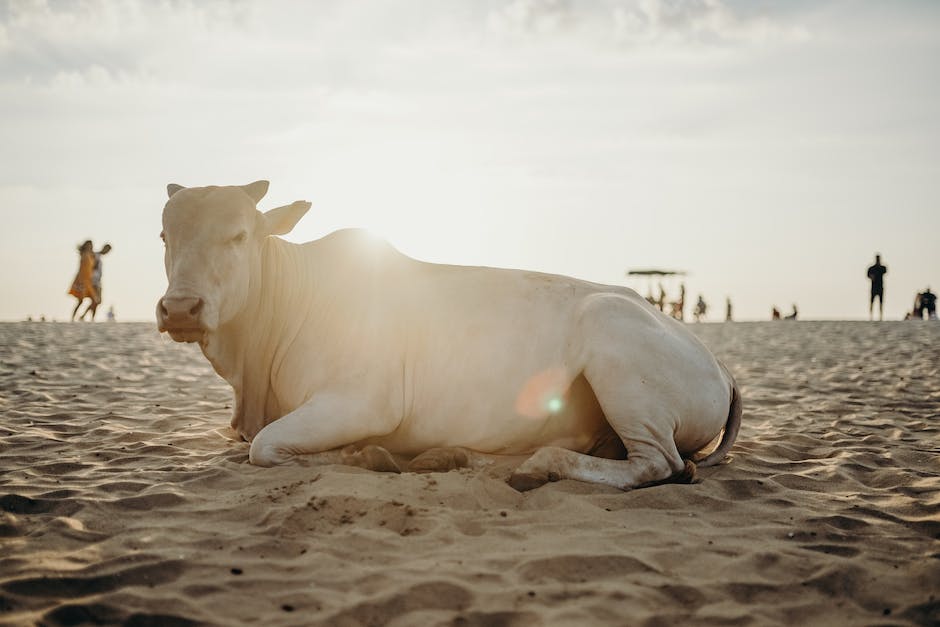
[509,83]
[638,22]
[119,39]
[330,41]
[533,17]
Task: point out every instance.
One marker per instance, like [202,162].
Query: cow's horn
[256,190]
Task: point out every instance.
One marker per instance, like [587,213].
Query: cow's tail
[732,426]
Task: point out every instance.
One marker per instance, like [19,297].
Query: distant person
[677,307]
[728,309]
[774,313]
[680,304]
[700,308]
[927,305]
[876,273]
[111,313]
[83,285]
[793,314]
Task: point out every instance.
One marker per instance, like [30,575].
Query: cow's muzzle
[181,317]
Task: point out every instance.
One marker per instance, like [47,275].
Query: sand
[123,499]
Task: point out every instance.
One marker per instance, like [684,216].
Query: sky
[769,149]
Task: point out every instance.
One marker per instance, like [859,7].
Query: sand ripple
[123,499]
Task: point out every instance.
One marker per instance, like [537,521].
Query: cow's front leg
[370,457]
[328,421]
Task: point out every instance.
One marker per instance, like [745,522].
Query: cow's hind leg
[624,356]
[644,466]
[640,419]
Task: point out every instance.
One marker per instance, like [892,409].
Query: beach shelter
[649,276]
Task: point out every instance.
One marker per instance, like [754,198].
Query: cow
[345,348]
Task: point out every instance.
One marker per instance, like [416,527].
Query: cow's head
[213,238]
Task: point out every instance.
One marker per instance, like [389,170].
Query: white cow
[345,341]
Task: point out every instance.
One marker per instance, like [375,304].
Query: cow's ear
[172,188]
[256,190]
[282,220]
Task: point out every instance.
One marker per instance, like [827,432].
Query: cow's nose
[180,312]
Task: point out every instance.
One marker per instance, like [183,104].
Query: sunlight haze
[768,149]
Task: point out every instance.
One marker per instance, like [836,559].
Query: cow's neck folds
[244,350]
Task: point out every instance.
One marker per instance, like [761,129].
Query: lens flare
[543,393]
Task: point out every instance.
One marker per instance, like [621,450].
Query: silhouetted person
[876,273]
[927,305]
[678,307]
[774,313]
[700,308]
[728,309]
[681,301]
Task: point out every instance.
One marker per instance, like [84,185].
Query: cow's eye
[240,238]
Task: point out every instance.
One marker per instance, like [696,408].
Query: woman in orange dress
[83,286]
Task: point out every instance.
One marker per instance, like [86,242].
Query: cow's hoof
[441,459]
[266,455]
[371,457]
[524,481]
[687,474]
[379,460]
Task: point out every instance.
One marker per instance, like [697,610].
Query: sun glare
[543,393]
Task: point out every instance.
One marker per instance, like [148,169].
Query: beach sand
[123,498]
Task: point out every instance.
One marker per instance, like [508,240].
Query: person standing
[876,274]
[927,305]
[700,308]
[83,286]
